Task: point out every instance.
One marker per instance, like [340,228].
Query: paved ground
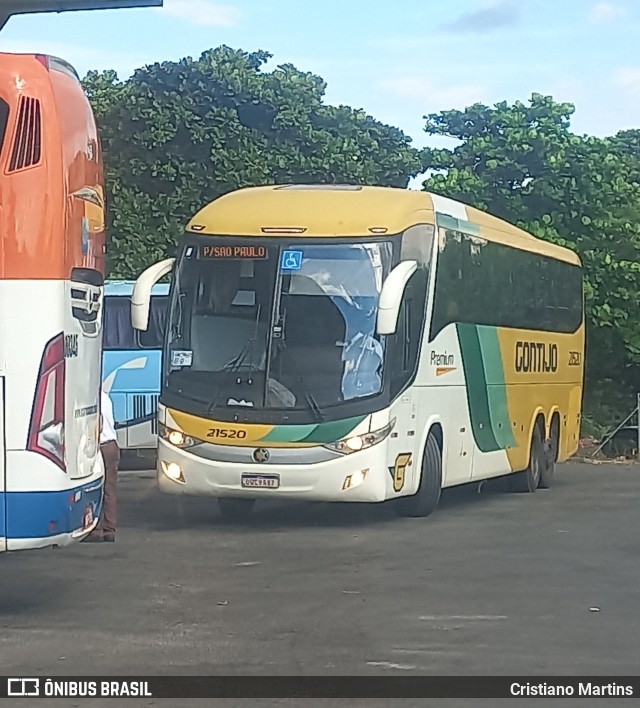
[492,583]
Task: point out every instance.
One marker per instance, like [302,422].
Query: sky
[396,60]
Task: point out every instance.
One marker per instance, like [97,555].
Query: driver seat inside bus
[313,326]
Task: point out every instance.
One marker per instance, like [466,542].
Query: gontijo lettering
[234,252]
[536,357]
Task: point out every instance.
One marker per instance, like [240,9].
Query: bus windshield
[118,332]
[265,326]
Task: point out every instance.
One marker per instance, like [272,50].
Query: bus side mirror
[391,296]
[141,296]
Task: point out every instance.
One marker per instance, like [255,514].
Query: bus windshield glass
[277,327]
[118,332]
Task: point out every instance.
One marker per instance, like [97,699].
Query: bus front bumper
[359,477]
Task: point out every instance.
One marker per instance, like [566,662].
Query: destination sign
[234,252]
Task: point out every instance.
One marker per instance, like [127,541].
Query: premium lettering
[441,359]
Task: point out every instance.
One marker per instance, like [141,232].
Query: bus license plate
[261,481]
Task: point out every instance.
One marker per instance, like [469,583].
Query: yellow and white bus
[363,344]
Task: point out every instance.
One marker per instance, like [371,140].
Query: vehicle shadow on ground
[137,461]
[149,509]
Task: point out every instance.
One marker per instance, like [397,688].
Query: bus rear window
[118,331]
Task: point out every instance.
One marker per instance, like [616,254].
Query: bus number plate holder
[87,517]
[260,481]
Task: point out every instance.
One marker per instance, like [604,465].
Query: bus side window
[502,286]
[404,345]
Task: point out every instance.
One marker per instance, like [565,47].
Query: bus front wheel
[235,509]
[529,479]
[425,500]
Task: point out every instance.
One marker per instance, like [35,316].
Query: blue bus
[131,364]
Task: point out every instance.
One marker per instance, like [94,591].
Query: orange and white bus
[51,291]
[52,229]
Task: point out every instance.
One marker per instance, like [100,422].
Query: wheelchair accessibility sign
[291,260]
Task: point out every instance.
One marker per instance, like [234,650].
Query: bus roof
[314,210]
[49,147]
[124,288]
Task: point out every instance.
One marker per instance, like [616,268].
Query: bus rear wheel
[528,480]
[235,509]
[425,500]
[546,474]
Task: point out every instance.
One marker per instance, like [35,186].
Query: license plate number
[261,481]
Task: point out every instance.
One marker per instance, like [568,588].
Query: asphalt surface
[492,583]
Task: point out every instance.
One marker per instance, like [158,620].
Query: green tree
[522,163]
[178,134]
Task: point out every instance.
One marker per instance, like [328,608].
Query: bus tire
[548,470]
[425,500]
[529,479]
[235,509]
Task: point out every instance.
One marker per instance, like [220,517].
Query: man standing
[106,528]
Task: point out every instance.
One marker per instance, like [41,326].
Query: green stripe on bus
[461,225]
[288,433]
[333,430]
[477,395]
[449,222]
[318,433]
[496,391]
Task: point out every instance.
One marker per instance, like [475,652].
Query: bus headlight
[176,437]
[355,443]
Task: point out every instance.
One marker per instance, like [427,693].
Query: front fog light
[355,443]
[172,471]
[354,480]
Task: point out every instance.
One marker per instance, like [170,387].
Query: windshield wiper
[309,397]
[247,350]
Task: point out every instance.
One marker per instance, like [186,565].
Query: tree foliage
[522,163]
[178,134]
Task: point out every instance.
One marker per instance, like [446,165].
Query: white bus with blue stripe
[51,294]
[52,262]
[131,364]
